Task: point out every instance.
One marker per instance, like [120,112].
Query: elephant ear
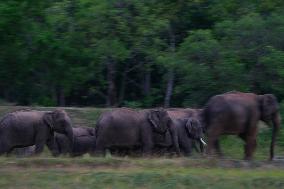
[193,128]
[159,120]
[48,120]
[268,106]
[153,117]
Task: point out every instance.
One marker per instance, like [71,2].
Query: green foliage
[58,52]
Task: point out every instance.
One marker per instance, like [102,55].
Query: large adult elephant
[128,128]
[84,142]
[28,127]
[238,113]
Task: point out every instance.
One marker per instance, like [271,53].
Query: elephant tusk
[202,141]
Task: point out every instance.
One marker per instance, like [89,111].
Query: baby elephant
[84,142]
[188,131]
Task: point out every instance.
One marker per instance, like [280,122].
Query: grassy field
[113,172]
[87,172]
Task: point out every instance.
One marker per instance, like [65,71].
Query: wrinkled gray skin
[27,127]
[128,128]
[182,113]
[84,142]
[237,113]
[188,130]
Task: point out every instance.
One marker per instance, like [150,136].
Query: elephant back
[178,113]
[79,131]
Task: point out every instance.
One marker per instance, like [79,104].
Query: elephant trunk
[276,126]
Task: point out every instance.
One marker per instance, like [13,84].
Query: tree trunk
[60,96]
[111,91]
[147,82]
[122,88]
[170,86]
[171,73]
[71,14]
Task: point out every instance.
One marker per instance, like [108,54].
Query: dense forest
[139,53]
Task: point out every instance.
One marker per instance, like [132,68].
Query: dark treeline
[139,53]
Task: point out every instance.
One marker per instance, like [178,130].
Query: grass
[46,171]
[141,179]
[124,173]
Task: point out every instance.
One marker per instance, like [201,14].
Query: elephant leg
[250,141]
[100,151]
[5,148]
[186,146]
[53,147]
[195,147]
[147,149]
[9,152]
[201,146]
[250,148]
[218,149]
[92,151]
[187,151]
[100,148]
[212,140]
[147,143]
[39,144]
[214,132]
[39,148]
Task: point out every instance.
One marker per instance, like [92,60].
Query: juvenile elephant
[128,128]
[188,130]
[182,113]
[28,127]
[238,113]
[84,142]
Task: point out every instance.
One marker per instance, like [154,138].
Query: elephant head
[60,122]
[160,119]
[194,129]
[269,111]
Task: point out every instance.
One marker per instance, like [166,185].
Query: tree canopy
[139,53]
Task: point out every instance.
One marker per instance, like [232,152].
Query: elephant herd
[145,132]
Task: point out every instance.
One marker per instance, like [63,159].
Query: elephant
[188,130]
[237,113]
[131,129]
[84,142]
[179,113]
[29,127]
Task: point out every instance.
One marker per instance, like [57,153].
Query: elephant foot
[247,158]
